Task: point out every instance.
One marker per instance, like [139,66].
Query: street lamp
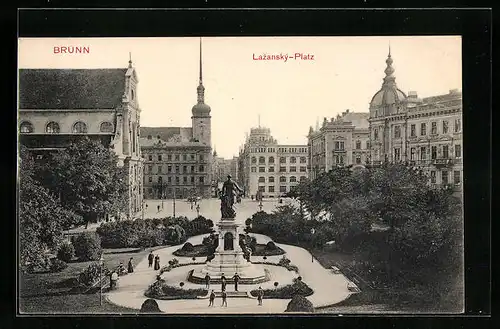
[101,265]
[174,201]
[312,233]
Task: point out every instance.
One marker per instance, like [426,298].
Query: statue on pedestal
[230,190]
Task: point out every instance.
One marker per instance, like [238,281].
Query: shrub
[299,304]
[271,246]
[175,234]
[187,247]
[150,306]
[66,252]
[161,290]
[57,265]
[288,291]
[284,261]
[90,275]
[87,246]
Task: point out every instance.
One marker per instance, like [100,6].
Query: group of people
[236,278]
[120,270]
[156,259]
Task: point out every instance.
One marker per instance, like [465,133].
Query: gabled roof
[71,88]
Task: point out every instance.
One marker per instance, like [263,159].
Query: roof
[167,133]
[144,142]
[387,96]
[359,120]
[71,88]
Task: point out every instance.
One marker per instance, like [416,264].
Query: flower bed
[286,292]
[198,250]
[175,263]
[161,290]
[283,262]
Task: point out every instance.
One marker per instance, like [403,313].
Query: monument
[229,257]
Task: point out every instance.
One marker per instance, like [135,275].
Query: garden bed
[161,290]
[286,292]
[201,250]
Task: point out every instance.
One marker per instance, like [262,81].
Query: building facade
[339,142]
[178,160]
[426,133]
[266,167]
[58,106]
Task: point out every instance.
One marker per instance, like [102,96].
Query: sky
[288,96]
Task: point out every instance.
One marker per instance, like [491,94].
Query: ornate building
[339,142]
[426,132]
[266,167]
[178,160]
[58,106]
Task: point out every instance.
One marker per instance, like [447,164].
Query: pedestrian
[236,279]
[212,298]
[224,298]
[113,280]
[158,207]
[260,295]
[121,269]
[207,281]
[130,265]
[157,263]
[191,204]
[223,282]
[150,259]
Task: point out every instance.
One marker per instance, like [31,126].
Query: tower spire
[259,120]
[389,79]
[129,59]
[201,88]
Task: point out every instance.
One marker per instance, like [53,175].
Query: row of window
[262,160]
[53,127]
[283,179]
[435,152]
[176,169]
[175,157]
[176,180]
[280,149]
[281,169]
[283,189]
[423,129]
[445,179]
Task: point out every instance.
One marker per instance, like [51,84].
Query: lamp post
[312,233]
[174,201]
[143,203]
[101,265]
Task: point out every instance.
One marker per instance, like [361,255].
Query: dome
[201,109]
[387,96]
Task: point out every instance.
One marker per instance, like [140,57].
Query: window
[367,144]
[433,152]
[202,179]
[423,129]
[150,157]
[159,169]
[433,177]
[434,128]
[160,179]
[202,158]
[177,169]
[169,157]
[358,145]
[253,169]
[444,177]
[457,125]
[185,179]
[303,178]
[262,160]
[169,180]
[262,169]
[150,179]
[445,127]
[52,128]
[303,159]
[192,168]
[150,190]
[358,160]
[413,130]
[303,169]
[192,179]
[375,133]
[271,169]
[271,159]
[184,169]
[201,168]
[106,127]
[397,131]
[271,179]
[177,157]
[79,128]
[193,157]
[262,179]
[262,189]
[339,145]
[397,154]
[445,152]
[293,179]
[282,159]
[293,160]
[282,189]
[458,151]
[456,177]
[282,179]
[293,169]
[270,189]
[184,157]
[282,169]
[254,160]
[159,157]
[423,153]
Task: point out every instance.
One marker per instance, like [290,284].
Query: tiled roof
[166,133]
[145,142]
[71,88]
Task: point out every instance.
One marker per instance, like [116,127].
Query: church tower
[201,119]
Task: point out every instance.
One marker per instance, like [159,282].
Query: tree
[41,217]
[300,303]
[86,177]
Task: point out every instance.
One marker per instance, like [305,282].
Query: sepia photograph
[240,175]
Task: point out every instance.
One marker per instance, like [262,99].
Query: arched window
[303,178]
[106,127]
[52,128]
[150,137]
[262,160]
[228,241]
[262,179]
[79,128]
[271,159]
[254,160]
[293,179]
[293,160]
[282,179]
[358,145]
[271,179]
[160,179]
[26,127]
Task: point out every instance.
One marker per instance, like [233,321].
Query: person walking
[207,281]
[260,295]
[212,298]
[157,263]
[113,280]
[130,265]
[150,259]
[223,282]
[236,279]
[224,298]
[158,207]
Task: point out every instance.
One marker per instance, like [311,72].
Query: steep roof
[166,133]
[359,119]
[71,88]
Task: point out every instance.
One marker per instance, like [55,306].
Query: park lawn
[51,292]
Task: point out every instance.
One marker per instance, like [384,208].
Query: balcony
[441,163]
